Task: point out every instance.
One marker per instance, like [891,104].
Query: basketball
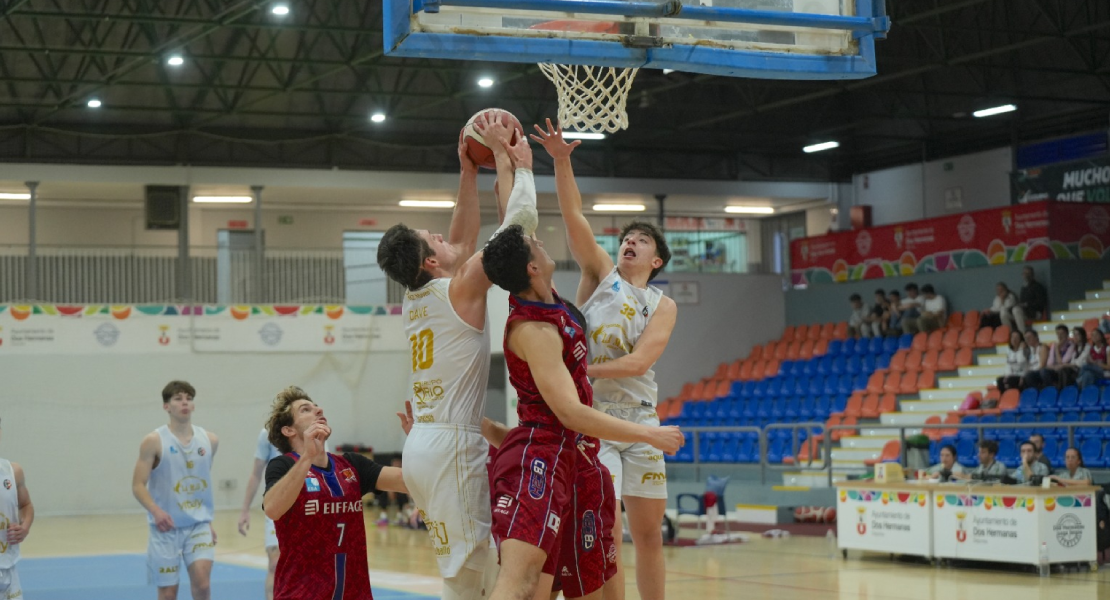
[476,147]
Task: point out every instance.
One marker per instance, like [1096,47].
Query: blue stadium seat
[853,366]
[1104,404]
[776,451]
[805,407]
[844,386]
[966,453]
[848,348]
[760,389]
[839,365]
[731,449]
[778,409]
[876,345]
[968,434]
[742,389]
[1046,400]
[835,347]
[713,454]
[883,362]
[763,410]
[839,404]
[735,410]
[860,382]
[905,342]
[1050,446]
[990,433]
[1083,433]
[890,345]
[1068,399]
[686,453]
[816,386]
[749,451]
[824,365]
[1027,402]
[867,365]
[831,385]
[1088,398]
[1058,459]
[1008,453]
[809,367]
[1092,452]
[863,347]
[821,408]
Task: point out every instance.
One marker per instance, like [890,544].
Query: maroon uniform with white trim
[588,556]
[535,466]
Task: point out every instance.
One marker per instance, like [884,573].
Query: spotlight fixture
[820,147]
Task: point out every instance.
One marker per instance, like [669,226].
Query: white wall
[913,192]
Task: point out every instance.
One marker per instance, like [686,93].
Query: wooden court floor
[797,568]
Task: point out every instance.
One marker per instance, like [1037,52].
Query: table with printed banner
[997,523]
[894,518]
[1010,523]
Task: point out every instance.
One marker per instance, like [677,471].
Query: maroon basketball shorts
[588,555]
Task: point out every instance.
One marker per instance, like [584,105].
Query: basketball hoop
[591,98]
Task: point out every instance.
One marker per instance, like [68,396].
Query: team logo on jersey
[566,572]
[570,331]
[312,506]
[537,484]
[173,450]
[505,501]
[589,530]
[311,484]
[580,350]
[616,286]
[200,451]
[7,484]
[348,474]
[644,312]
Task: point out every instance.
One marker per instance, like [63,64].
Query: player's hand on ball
[552,141]
[669,439]
[406,417]
[497,133]
[520,153]
[465,162]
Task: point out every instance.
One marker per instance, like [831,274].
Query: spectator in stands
[1002,310]
[1096,366]
[1104,324]
[988,468]
[1059,356]
[911,309]
[947,467]
[858,326]
[934,311]
[1030,467]
[1074,471]
[1038,356]
[877,313]
[1080,356]
[1033,297]
[892,320]
[1017,363]
[1038,445]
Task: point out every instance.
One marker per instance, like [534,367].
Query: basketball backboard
[768,39]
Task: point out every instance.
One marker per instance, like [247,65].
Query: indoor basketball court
[200,192]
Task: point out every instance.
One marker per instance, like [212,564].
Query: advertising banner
[1014,234]
[1077,181]
[141,329]
[890,521]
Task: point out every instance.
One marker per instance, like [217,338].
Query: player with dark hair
[535,466]
[630,325]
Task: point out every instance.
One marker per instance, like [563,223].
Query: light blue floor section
[123,577]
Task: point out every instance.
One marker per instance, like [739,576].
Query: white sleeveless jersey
[616,314]
[450,359]
[181,484]
[9,513]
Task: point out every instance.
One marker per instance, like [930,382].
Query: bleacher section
[816,374]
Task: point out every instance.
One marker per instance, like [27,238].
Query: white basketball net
[591,98]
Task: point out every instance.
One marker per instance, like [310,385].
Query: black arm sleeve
[367,469]
[276,469]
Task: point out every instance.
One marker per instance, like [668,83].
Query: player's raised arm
[594,261]
[648,349]
[540,346]
[467,218]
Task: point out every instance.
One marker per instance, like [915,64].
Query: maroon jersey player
[545,350]
[315,500]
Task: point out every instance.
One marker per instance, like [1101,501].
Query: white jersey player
[628,324]
[173,482]
[16,515]
[263,452]
[445,454]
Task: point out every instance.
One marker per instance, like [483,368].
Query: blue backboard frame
[870,24]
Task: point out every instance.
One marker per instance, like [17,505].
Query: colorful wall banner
[1015,234]
[1077,181]
[140,329]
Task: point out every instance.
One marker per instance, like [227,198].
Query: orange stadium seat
[734,371]
[794,350]
[782,349]
[952,338]
[800,332]
[809,448]
[821,347]
[888,403]
[847,432]
[1009,400]
[788,333]
[698,392]
[964,357]
[721,372]
[687,391]
[870,407]
[971,320]
[875,382]
[929,360]
[1001,335]
[746,370]
[814,332]
[757,353]
[806,350]
[892,451]
[931,433]
[983,338]
[947,360]
[967,338]
[893,382]
[955,320]
[921,342]
[854,403]
[898,361]
[927,380]
[772,368]
[840,331]
[935,341]
[951,419]
[913,361]
[723,388]
[828,330]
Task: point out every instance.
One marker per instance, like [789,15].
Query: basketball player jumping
[315,500]
[263,453]
[545,349]
[16,515]
[630,325]
[445,455]
[173,482]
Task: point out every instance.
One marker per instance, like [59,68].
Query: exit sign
[285,219]
[367,222]
[236,224]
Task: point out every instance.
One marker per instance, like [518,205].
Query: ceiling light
[15,196]
[668,71]
[750,210]
[427,203]
[990,112]
[485,82]
[619,207]
[280,9]
[820,147]
[175,61]
[94,103]
[582,135]
[223,199]
[377,117]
